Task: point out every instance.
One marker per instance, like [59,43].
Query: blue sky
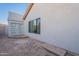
[15,7]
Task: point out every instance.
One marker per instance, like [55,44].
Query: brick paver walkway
[28,47]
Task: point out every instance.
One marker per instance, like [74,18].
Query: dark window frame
[34,28]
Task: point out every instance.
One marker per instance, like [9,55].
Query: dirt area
[21,47]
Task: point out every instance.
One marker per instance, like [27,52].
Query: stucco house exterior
[53,23]
[15,24]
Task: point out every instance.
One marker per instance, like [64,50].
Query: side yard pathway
[21,47]
[28,47]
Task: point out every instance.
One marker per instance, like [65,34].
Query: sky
[14,7]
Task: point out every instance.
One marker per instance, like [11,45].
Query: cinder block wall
[3,30]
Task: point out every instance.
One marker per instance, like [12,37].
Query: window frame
[35,29]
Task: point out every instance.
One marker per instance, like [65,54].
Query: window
[38,25]
[13,28]
[34,26]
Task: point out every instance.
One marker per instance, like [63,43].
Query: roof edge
[27,11]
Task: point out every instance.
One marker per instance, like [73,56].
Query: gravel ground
[21,47]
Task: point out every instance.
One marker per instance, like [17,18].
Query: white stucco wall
[59,24]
